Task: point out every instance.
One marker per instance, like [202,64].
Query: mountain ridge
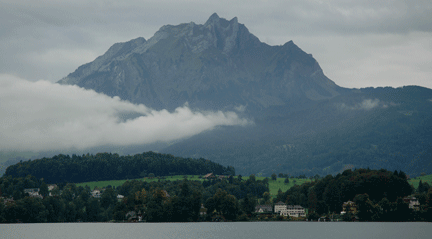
[201,64]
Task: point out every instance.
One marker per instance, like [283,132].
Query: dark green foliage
[107,166]
[366,211]
[248,204]
[108,198]
[329,193]
[43,189]
[223,204]
[423,187]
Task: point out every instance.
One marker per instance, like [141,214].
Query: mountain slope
[218,65]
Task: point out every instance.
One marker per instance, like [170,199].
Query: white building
[293,211]
[279,206]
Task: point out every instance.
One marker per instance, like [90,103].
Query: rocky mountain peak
[216,65]
[213,19]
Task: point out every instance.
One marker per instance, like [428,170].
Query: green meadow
[274,186]
[426,178]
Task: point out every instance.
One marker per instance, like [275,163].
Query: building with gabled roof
[209,176]
[263,209]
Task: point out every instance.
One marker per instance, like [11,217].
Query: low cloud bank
[42,116]
[366,104]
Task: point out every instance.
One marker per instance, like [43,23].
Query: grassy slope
[426,178]
[273,185]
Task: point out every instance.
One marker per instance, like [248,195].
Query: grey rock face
[217,65]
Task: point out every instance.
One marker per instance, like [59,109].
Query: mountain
[303,122]
[218,65]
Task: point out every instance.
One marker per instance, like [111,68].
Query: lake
[250,230]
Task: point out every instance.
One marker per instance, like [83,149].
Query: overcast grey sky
[358,43]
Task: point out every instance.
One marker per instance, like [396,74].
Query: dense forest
[108,166]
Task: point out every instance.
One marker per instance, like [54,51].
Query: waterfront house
[413,202]
[350,206]
[280,206]
[203,210]
[293,211]
[263,209]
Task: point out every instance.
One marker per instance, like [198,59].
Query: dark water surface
[250,230]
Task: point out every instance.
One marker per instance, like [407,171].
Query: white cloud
[366,104]
[46,116]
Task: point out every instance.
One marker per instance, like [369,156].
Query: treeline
[378,193]
[163,201]
[108,166]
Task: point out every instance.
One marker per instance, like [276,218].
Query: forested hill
[108,166]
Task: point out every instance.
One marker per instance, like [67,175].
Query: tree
[266,197]
[2,219]
[109,198]
[43,189]
[56,209]
[231,179]
[286,181]
[223,204]
[274,176]
[252,177]
[55,191]
[248,205]
[186,206]
[93,210]
[151,175]
[155,206]
[385,207]
[365,209]
[403,213]
[312,216]
[312,200]
[30,210]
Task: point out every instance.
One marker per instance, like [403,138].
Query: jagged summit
[212,19]
[215,65]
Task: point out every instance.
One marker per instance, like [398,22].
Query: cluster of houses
[97,193]
[35,192]
[282,209]
[351,207]
[298,211]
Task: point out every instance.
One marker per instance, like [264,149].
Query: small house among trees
[349,207]
[209,176]
[413,202]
